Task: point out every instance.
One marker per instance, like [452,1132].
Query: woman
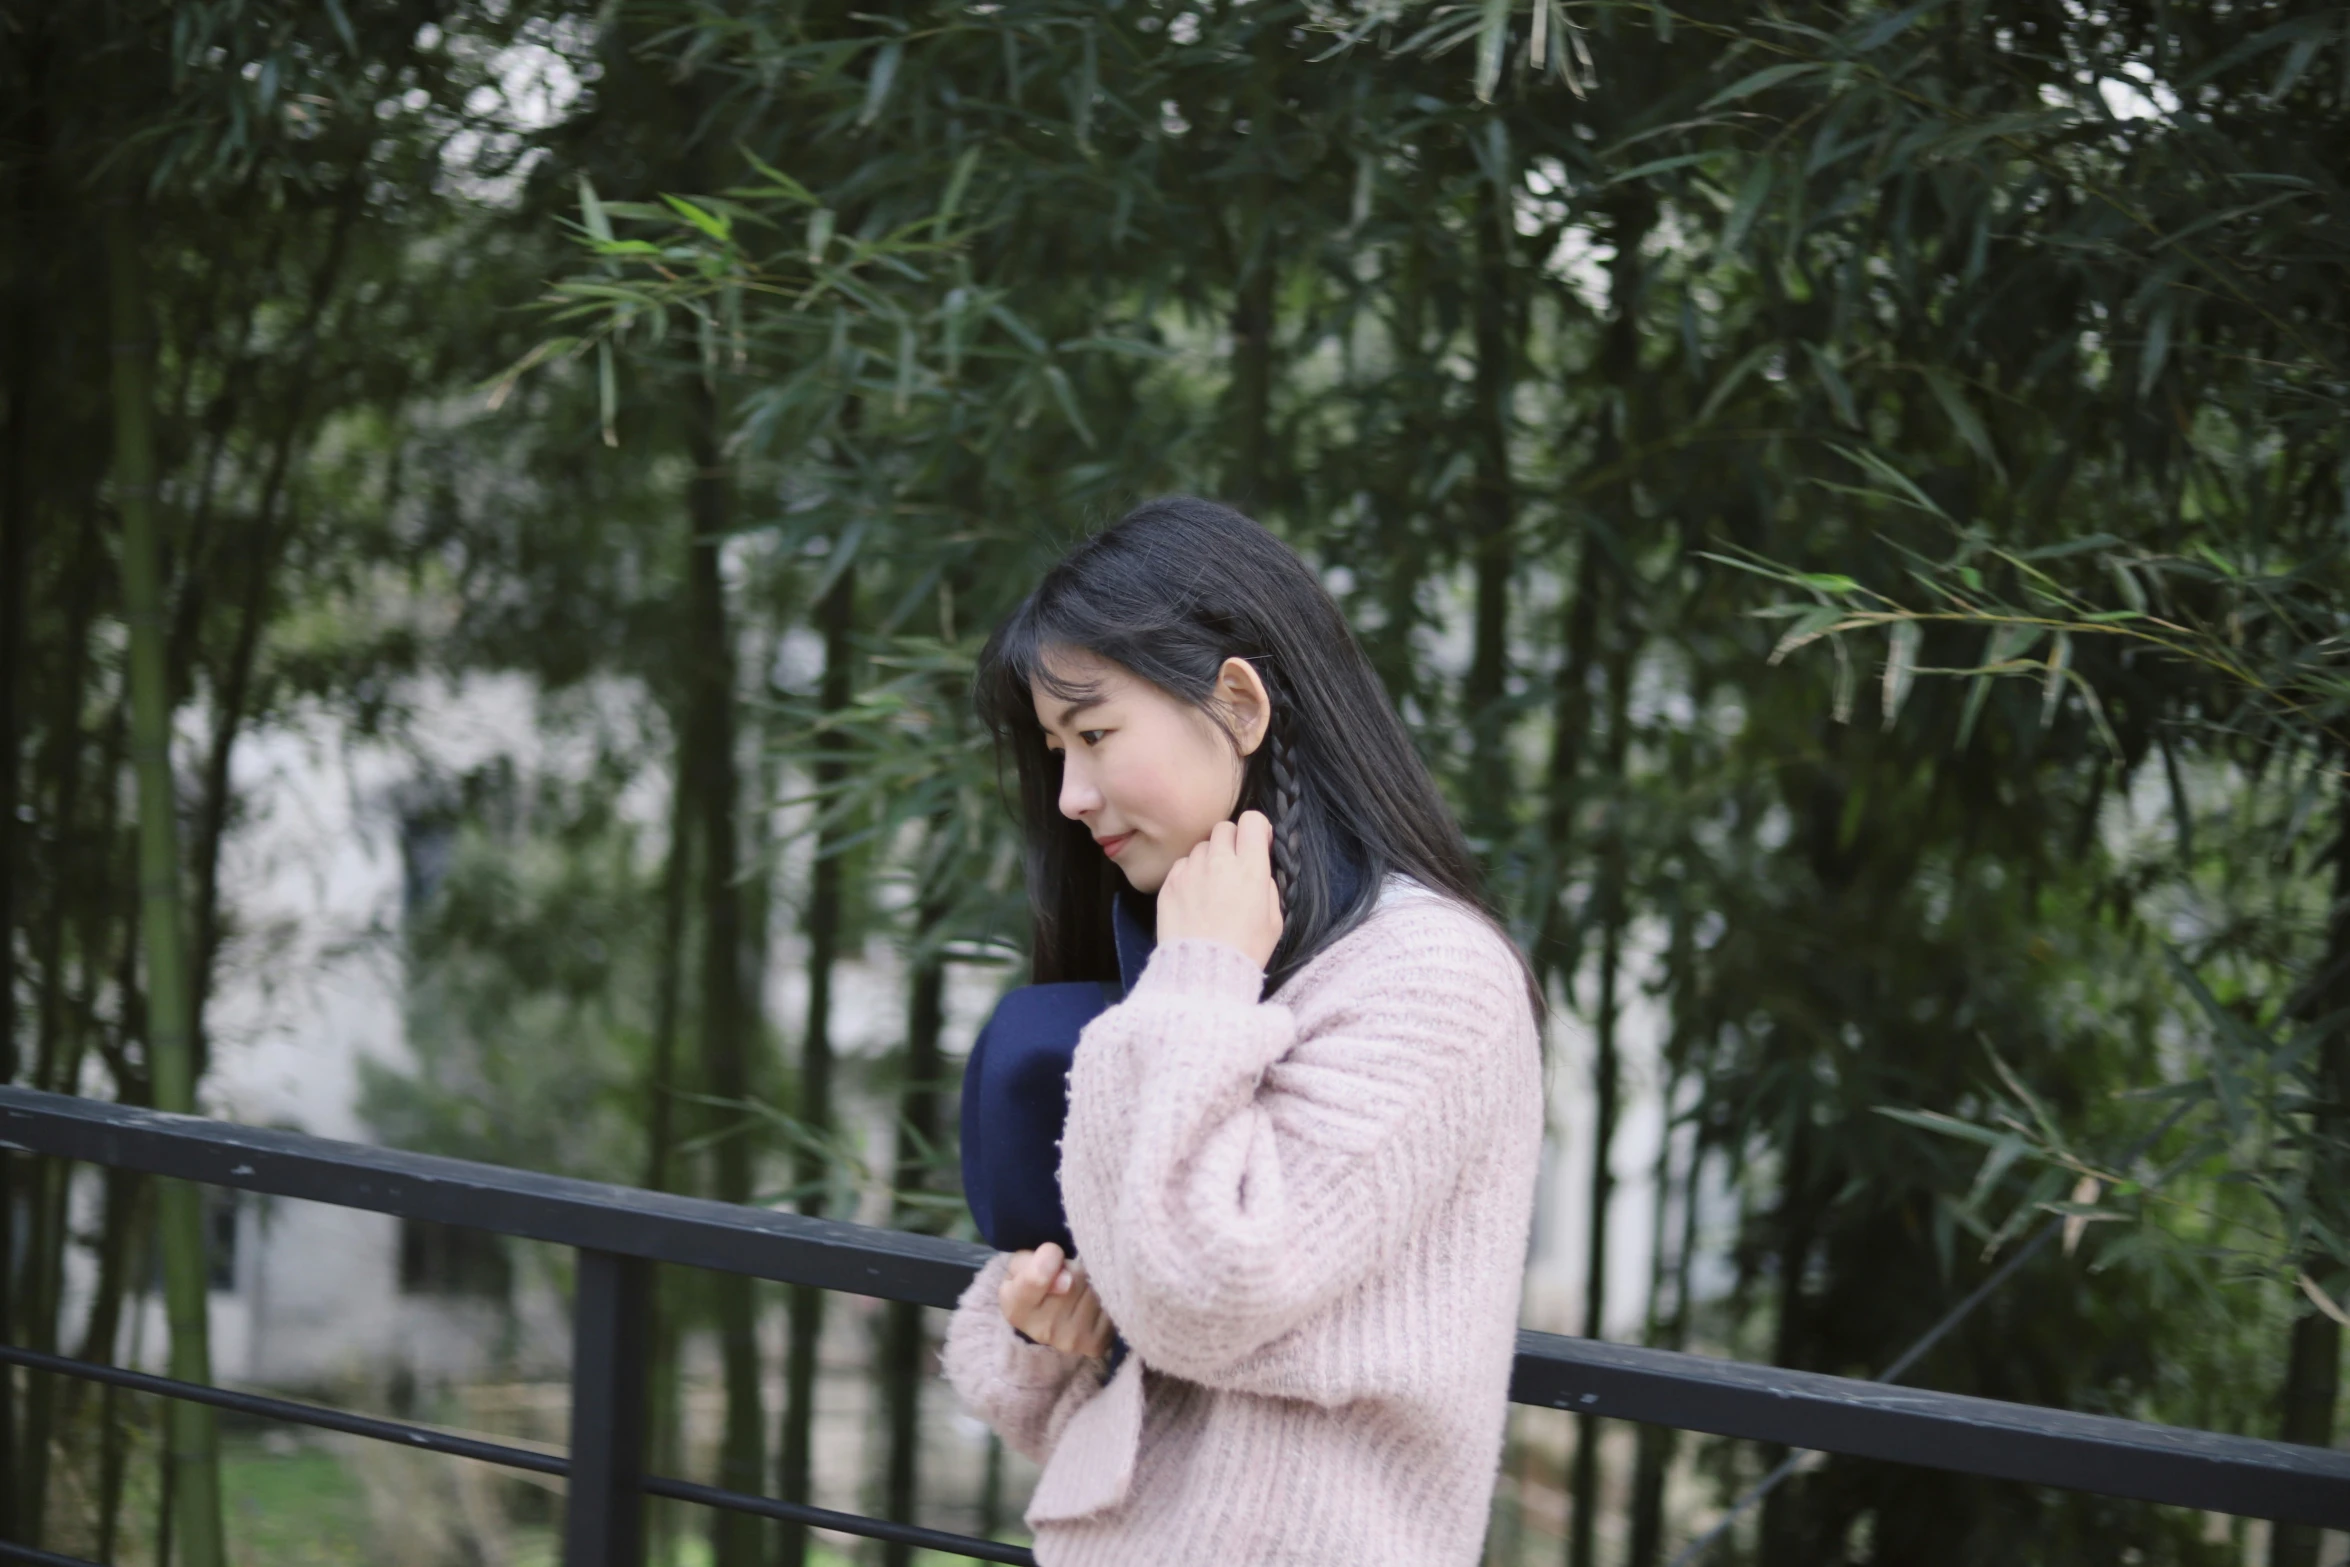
[1299,1157]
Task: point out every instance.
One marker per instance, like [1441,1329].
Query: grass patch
[288,1502]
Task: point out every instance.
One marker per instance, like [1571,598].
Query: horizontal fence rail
[618,1230]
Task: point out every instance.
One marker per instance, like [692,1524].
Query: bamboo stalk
[836,617]
[1493,514]
[2313,1352]
[195,1433]
[727,1017]
[663,1517]
[903,1344]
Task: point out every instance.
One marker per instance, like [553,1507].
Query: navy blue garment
[1016,1091]
[1016,1096]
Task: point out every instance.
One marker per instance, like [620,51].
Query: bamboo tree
[123,1234]
[1253,245]
[2313,1356]
[904,1342]
[662,1087]
[836,618]
[195,1442]
[16,523]
[728,1021]
[1612,913]
[1493,497]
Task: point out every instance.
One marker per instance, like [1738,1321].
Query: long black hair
[1170,591]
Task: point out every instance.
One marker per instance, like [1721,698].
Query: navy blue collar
[1134,926]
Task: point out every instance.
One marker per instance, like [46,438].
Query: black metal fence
[619,1232]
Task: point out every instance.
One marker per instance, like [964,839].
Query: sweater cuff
[1199,966]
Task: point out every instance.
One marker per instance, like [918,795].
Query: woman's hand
[1053,1303]
[1223,890]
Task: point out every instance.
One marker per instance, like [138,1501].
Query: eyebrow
[1082,705]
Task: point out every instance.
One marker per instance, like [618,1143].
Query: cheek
[1185,790]
[1136,794]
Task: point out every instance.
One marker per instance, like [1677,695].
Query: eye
[1087,734]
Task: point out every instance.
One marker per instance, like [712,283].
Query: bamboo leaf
[1066,396]
[2157,347]
[1908,492]
[1962,415]
[607,393]
[342,23]
[1815,624]
[1755,190]
[957,183]
[2097,718]
[1730,381]
[1833,383]
[2060,657]
[1901,662]
[713,224]
[1892,27]
[1679,160]
[2046,1122]
[1018,328]
[1493,35]
[2291,31]
[591,212]
[1769,76]
[2002,1157]
[1948,1126]
[779,183]
[885,71]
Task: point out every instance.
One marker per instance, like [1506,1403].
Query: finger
[1047,1322]
[1067,1329]
[1017,1297]
[1020,1291]
[1254,836]
[1222,836]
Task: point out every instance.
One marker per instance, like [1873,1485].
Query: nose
[1078,794]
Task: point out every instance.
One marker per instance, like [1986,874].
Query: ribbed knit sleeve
[1026,1392]
[1228,1173]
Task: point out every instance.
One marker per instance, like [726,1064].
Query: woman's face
[1149,774]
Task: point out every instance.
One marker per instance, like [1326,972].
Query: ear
[1247,704]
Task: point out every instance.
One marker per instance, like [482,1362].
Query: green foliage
[1848,497]
[529,977]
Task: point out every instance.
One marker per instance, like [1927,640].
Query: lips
[1111,846]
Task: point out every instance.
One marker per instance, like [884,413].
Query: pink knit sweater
[1309,1217]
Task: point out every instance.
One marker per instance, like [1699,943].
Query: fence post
[604,1514]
